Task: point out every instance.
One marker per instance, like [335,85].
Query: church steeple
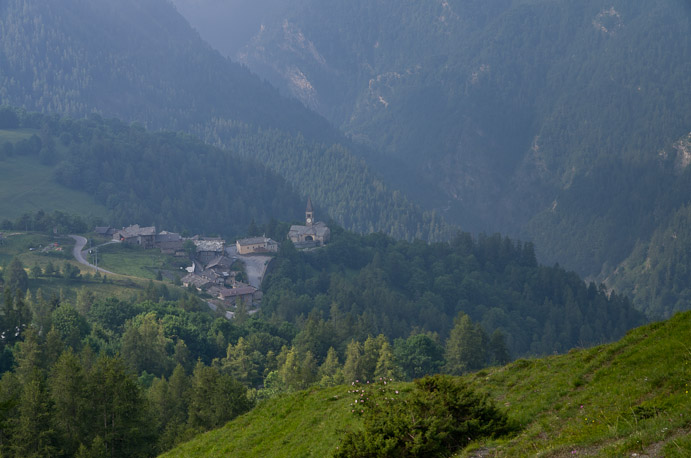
[309,213]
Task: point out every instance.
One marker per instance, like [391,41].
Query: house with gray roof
[135,235]
[256,245]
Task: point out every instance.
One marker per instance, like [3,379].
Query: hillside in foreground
[625,398]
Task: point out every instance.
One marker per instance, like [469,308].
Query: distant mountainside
[125,175]
[506,105]
[141,61]
[622,399]
[557,121]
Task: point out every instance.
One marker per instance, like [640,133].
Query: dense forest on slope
[549,120]
[505,104]
[358,286]
[657,272]
[359,308]
[173,181]
[140,61]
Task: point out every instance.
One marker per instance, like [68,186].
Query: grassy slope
[138,262]
[628,397]
[631,396]
[121,286]
[27,186]
[303,424]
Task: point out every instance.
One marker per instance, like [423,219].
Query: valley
[493,259]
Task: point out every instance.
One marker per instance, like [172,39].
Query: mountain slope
[627,397]
[127,175]
[503,105]
[555,121]
[141,61]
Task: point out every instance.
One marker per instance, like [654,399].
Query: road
[255,265]
[77,251]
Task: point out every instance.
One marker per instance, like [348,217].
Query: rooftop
[136,231]
[254,241]
[209,245]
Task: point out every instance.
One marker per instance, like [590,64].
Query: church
[312,233]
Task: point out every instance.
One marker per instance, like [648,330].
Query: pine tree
[386,364]
[34,436]
[85,299]
[17,279]
[330,372]
[289,371]
[240,364]
[118,411]
[70,403]
[352,369]
[498,350]
[41,311]
[466,346]
[308,370]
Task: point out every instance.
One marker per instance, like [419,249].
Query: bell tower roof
[309,205]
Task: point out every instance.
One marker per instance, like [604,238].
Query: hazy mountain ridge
[519,113]
[141,61]
[170,180]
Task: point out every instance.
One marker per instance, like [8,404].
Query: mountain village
[229,274]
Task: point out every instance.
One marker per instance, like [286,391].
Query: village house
[104,231]
[209,249]
[312,233]
[256,245]
[245,293]
[169,243]
[200,282]
[135,235]
[221,266]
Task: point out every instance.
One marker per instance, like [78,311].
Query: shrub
[441,415]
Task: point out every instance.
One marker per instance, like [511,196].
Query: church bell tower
[309,213]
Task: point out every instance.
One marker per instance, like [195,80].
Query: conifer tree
[67,385]
[330,372]
[466,347]
[17,279]
[352,368]
[386,365]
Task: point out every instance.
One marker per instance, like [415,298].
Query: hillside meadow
[628,398]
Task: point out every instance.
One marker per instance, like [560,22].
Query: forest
[360,308]
[423,132]
[64,60]
[165,179]
[545,120]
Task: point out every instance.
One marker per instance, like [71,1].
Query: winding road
[78,252]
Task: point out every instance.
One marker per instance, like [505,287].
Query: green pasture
[625,398]
[27,186]
[138,262]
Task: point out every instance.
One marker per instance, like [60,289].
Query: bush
[440,416]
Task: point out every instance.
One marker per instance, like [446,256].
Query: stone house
[256,245]
[169,242]
[209,249]
[245,293]
[135,235]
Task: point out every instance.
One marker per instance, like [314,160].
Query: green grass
[304,424]
[15,135]
[137,262]
[27,186]
[19,243]
[628,397]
